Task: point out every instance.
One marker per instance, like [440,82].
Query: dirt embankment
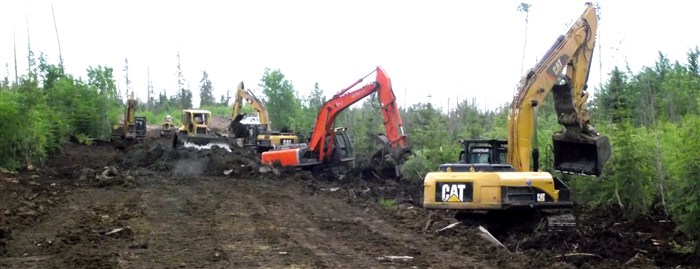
[151,206]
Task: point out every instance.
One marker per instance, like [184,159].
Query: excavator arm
[241,94]
[129,117]
[579,148]
[330,146]
[323,129]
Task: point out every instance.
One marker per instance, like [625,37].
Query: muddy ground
[152,207]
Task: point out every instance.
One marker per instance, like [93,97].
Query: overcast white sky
[444,49]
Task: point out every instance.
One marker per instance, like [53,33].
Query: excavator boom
[259,135]
[329,111]
[132,129]
[241,94]
[324,142]
[579,148]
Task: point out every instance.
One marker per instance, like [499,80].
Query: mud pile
[191,162]
[643,241]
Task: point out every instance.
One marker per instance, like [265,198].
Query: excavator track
[523,221]
[561,223]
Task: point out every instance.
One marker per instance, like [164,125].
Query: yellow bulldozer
[168,127]
[132,129]
[195,131]
[258,133]
[493,183]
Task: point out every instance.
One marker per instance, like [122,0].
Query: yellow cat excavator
[493,183]
[132,129]
[258,135]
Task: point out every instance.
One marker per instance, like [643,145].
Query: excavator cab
[484,151]
[481,155]
[342,147]
[140,127]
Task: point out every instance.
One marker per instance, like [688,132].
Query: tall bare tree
[126,77]
[60,55]
[524,8]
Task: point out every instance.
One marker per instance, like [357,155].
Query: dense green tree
[614,100]
[281,100]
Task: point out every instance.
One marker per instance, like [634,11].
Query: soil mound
[191,162]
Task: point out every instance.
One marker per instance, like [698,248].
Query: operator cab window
[480,155]
[187,118]
[503,156]
[200,118]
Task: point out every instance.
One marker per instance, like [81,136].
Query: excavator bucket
[387,161]
[237,129]
[238,117]
[580,154]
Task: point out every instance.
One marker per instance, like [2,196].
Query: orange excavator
[329,146]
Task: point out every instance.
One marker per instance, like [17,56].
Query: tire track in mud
[178,229]
[379,238]
[76,233]
[283,222]
[213,223]
[340,235]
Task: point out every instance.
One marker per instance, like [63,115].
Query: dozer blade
[207,146]
[203,142]
[580,154]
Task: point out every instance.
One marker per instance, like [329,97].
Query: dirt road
[217,223]
[75,213]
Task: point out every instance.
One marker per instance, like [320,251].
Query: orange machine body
[287,157]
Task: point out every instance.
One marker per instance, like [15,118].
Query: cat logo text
[453,192]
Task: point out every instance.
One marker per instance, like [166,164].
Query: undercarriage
[499,221]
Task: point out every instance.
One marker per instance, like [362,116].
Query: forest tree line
[651,117]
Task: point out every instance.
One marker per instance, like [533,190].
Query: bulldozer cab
[196,121]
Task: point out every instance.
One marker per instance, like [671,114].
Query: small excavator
[167,127]
[331,147]
[492,184]
[195,131]
[132,130]
[258,135]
